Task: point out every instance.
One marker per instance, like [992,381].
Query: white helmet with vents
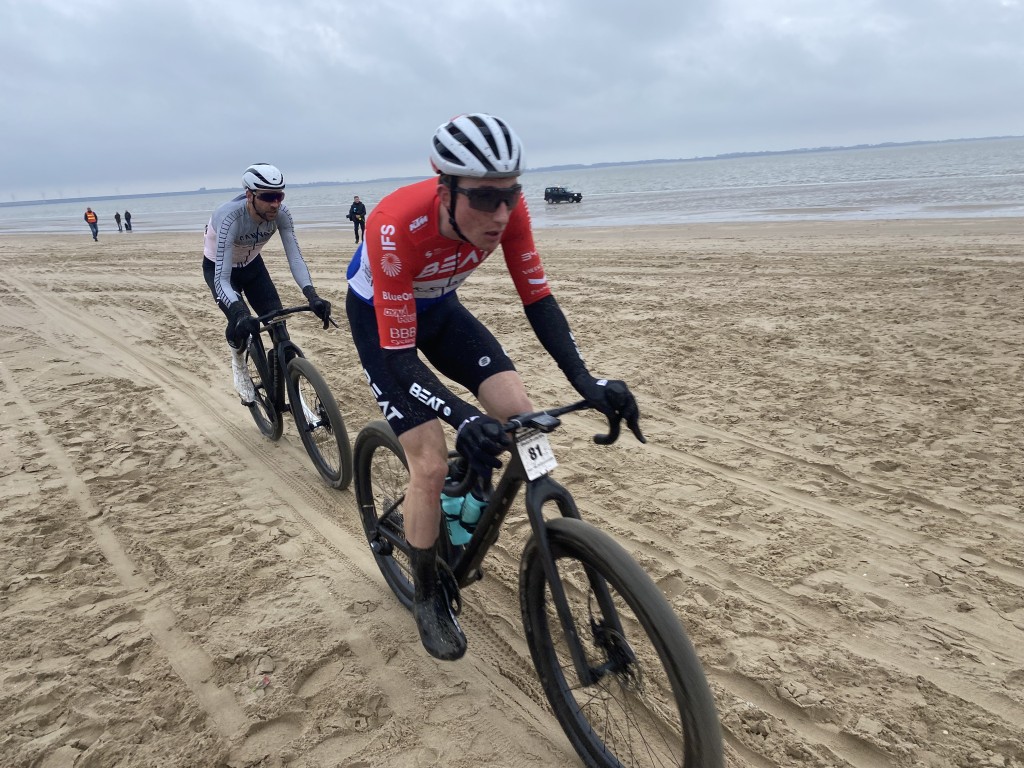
[477,145]
[263,177]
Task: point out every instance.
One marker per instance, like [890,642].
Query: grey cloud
[117,96]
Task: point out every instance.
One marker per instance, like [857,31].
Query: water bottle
[461,514]
[451,508]
[472,507]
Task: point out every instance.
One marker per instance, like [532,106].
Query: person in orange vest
[93,221]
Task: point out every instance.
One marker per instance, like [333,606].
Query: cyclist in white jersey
[233,266]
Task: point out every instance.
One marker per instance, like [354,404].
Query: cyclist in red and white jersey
[422,242]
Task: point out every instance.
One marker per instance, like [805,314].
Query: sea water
[961,179]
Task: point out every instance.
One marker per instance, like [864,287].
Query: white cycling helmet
[263,177]
[478,145]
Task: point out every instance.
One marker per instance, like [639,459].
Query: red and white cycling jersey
[404,263]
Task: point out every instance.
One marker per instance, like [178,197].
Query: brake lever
[614,428]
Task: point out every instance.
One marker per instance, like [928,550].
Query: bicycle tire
[652,706]
[320,423]
[262,410]
[381,479]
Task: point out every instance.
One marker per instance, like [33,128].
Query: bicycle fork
[262,362]
[280,353]
[539,492]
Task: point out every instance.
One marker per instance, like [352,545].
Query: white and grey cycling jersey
[234,239]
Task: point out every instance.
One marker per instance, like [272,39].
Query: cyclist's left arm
[297,264]
[545,316]
[612,398]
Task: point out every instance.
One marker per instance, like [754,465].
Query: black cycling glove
[240,324]
[613,399]
[481,439]
[321,307]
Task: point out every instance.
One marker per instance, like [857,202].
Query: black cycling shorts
[252,281]
[453,340]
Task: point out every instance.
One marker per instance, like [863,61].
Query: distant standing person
[357,215]
[94,223]
[117,219]
[128,221]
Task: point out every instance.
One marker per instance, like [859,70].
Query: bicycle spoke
[317,424]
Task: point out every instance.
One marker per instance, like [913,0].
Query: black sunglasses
[488,199]
[270,197]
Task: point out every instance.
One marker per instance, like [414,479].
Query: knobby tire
[381,480]
[652,706]
[263,411]
[320,423]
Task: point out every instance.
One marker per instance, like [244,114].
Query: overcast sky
[117,97]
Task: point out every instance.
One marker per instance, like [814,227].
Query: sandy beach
[831,498]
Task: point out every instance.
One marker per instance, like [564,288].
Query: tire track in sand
[492,656]
[190,662]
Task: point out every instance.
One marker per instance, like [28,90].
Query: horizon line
[567,166]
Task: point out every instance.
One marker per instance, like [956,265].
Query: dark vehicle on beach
[561,195]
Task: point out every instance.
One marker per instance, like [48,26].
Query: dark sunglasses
[270,197]
[488,199]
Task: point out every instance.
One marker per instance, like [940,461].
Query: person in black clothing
[127,221]
[357,215]
[117,220]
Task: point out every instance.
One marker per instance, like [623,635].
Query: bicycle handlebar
[545,421]
[541,419]
[273,315]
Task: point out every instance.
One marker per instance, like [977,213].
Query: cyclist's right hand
[240,324]
[481,439]
[321,307]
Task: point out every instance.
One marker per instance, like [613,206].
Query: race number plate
[535,451]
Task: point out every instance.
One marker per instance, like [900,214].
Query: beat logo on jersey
[389,411]
[429,399]
[390,264]
[449,264]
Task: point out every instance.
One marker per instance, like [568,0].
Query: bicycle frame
[539,491]
[272,364]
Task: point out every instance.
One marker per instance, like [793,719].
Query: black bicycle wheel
[320,424]
[270,422]
[650,704]
[381,479]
